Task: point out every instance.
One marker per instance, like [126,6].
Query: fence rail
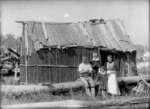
[68,66]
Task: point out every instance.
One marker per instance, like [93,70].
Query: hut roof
[109,35]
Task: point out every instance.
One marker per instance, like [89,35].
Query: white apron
[112,83]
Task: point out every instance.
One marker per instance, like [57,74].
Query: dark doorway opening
[104,55]
[116,58]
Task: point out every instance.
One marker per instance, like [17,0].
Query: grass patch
[46,97]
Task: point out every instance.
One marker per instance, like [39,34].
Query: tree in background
[140,49]
[2,39]
[9,41]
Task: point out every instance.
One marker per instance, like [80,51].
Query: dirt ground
[42,97]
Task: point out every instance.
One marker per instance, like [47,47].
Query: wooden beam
[49,66]
[44,30]
[26,52]
[81,104]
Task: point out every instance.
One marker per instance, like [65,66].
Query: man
[85,71]
[95,63]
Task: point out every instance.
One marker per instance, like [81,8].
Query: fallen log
[133,79]
[82,104]
[76,85]
[19,90]
[22,90]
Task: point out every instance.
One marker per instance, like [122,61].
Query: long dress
[112,84]
[102,79]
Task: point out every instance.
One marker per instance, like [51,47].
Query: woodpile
[142,86]
[9,60]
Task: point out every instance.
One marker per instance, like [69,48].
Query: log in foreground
[19,90]
[133,79]
[79,104]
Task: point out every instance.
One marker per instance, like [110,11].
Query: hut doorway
[104,55]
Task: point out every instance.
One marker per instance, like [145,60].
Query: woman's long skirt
[112,83]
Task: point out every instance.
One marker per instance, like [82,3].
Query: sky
[134,13]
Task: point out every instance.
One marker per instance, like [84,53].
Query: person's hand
[110,68]
[79,79]
[108,72]
[82,70]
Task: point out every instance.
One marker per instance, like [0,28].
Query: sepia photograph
[74,54]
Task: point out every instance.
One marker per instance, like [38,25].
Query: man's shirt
[85,68]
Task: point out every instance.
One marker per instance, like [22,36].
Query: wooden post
[16,68]
[56,69]
[21,54]
[37,71]
[99,55]
[128,63]
[26,52]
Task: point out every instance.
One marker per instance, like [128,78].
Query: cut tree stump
[139,88]
[142,86]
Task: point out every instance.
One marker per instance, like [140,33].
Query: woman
[112,84]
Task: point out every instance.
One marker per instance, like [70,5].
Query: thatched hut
[51,51]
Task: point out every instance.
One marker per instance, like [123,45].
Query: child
[95,63]
[102,80]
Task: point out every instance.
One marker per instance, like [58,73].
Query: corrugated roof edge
[73,23]
[17,21]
